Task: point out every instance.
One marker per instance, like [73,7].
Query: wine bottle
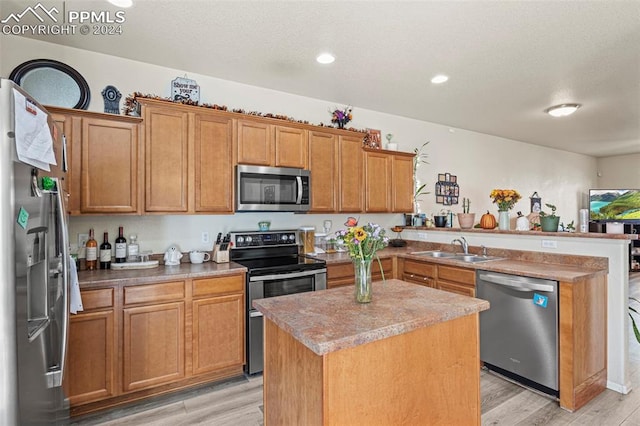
[105,253]
[121,247]
[92,251]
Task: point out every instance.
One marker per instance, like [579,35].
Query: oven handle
[286,276]
[255,314]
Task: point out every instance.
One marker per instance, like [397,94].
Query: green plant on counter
[636,332]
[553,211]
[420,158]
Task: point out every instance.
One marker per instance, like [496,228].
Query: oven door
[260,287]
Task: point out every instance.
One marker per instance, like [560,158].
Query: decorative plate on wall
[52,83]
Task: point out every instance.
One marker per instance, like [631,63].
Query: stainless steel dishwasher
[519,332]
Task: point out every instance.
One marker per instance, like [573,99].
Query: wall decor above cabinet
[52,83]
[132,107]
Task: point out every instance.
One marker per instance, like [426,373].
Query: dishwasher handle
[521,284]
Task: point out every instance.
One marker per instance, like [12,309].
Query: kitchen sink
[434,253]
[469,258]
[473,258]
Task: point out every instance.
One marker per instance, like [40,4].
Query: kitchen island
[409,357]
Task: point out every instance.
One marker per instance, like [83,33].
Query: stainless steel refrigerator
[34,263]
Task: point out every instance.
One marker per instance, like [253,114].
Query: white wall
[620,171]
[481,162]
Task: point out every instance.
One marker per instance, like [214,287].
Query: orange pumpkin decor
[488,221]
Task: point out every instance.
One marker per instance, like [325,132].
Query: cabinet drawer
[218,285]
[465,276]
[97,299]
[418,279]
[154,293]
[419,268]
[463,289]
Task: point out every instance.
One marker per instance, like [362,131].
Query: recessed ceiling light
[325,58]
[121,3]
[439,79]
[562,110]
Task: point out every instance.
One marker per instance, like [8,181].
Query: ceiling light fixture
[562,110]
[325,58]
[121,3]
[439,79]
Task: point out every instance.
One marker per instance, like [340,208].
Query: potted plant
[466,219]
[420,158]
[549,222]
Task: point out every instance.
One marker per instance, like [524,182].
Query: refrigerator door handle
[56,372]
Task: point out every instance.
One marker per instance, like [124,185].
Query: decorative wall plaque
[111,97]
[184,89]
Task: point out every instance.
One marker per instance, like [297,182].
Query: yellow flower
[359,234]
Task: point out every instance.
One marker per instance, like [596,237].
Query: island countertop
[330,320]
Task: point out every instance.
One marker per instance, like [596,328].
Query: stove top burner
[270,252]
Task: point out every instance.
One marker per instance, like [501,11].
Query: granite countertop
[330,320]
[97,278]
[567,268]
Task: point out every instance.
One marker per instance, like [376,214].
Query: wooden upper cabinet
[265,144]
[166,159]
[255,143]
[378,182]
[213,140]
[290,147]
[351,174]
[109,170]
[323,167]
[104,160]
[64,126]
[402,189]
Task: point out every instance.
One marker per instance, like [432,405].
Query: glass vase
[363,290]
[503,220]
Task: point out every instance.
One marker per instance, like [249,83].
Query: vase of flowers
[363,243]
[341,116]
[505,199]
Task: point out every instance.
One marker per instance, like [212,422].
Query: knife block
[220,256]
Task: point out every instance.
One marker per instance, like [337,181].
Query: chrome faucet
[463,243]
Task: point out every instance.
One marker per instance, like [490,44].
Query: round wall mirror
[52,83]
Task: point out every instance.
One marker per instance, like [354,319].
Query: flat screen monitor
[609,205]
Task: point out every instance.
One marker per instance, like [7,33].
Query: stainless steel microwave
[281,189]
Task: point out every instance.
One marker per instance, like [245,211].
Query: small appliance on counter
[221,249]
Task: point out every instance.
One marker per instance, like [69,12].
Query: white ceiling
[507,60]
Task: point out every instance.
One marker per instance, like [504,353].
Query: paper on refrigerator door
[34,144]
[75,298]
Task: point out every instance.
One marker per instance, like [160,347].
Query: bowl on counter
[440,221]
[264,225]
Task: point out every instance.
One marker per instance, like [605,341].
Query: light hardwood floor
[238,402]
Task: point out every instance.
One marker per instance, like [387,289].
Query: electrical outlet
[549,244]
[82,240]
[422,236]
[205,237]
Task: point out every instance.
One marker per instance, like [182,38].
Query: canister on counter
[307,239]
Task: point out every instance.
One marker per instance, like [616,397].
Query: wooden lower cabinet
[341,274]
[153,345]
[91,356]
[136,341]
[218,324]
[457,280]
[443,277]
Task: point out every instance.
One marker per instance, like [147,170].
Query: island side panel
[292,380]
[427,376]
[583,341]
